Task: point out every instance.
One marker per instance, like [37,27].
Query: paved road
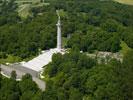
[6,70]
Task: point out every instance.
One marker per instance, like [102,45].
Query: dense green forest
[97,25]
[24,38]
[75,76]
[88,25]
[26,89]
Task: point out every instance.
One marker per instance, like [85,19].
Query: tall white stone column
[59,44]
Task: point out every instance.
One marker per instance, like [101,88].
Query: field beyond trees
[129,2]
[85,26]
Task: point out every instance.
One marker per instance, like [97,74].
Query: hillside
[88,27]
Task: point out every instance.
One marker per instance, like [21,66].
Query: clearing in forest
[129,2]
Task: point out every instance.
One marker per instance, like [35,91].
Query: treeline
[7,12]
[25,38]
[26,89]
[75,76]
[96,25]
[87,25]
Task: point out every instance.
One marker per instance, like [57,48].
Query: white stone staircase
[43,59]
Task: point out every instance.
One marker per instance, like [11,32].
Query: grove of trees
[75,76]
[24,38]
[26,89]
[96,25]
[91,25]
[88,25]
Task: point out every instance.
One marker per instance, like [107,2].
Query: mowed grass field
[25,7]
[129,2]
[124,48]
[24,10]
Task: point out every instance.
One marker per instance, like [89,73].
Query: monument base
[43,59]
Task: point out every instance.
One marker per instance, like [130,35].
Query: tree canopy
[76,76]
[88,25]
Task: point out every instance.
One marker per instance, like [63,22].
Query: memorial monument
[45,57]
[59,44]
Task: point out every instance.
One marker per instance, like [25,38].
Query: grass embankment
[124,47]
[14,59]
[24,10]
[10,59]
[129,2]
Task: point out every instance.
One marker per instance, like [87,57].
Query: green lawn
[14,59]
[124,47]
[10,59]
[24,10]
[25,7]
